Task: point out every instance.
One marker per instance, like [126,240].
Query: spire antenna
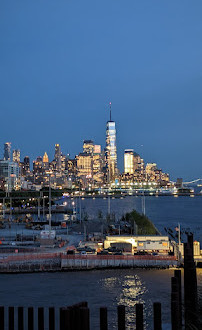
[110,107]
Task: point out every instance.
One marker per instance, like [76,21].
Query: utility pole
[38,208]
[179,238]
[80,201]
[143,203]
[49,204]
[4,208]
[109,206]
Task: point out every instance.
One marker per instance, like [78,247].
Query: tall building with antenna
[111,151]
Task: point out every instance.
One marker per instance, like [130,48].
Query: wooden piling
[65,319]
[1,318]
[51,318]
[139,317]
[103,318]
[177,273]
[85,318]
[190,285]
[20,318]
[175,315]
[121,317]
[157,316]
[30,318]
[40,318]
[11,318]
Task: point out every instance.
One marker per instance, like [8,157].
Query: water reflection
[130,290]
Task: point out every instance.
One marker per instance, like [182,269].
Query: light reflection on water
[132,292]
[100,288]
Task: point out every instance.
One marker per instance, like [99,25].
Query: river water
[110,287]
[163,211]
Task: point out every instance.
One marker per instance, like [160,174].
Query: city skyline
[93,168]
[58,76]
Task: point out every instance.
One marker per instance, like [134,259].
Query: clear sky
[62,61]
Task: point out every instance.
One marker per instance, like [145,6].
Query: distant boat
[185,191]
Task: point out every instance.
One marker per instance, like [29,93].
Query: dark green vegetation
[140,223]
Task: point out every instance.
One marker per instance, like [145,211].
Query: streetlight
[49,213]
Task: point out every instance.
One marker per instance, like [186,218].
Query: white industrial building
[139,243]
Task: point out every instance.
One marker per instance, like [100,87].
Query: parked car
[141,253]
[71,252]
[103,252]
[113,249]
[88,249]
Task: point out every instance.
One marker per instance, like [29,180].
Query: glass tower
[7,151]
[58,157]
[111,152]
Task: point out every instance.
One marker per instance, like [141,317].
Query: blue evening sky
[62,61]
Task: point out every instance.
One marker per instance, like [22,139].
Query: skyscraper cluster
[93,168]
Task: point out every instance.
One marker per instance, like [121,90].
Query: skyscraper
[27,163]
[16,156]
[25,166]
[88,146]
[7,151]
[111,152]
[45,158]
[45,161]
[58,157]
[129,161]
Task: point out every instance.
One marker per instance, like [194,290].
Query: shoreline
[45,262]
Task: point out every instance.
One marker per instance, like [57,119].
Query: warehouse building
[139,243]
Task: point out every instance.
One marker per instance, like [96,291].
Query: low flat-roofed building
[139,243]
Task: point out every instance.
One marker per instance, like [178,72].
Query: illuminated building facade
[27,164]
[10,172]
[57,157]
[45,158]
[45,162]
[111,152]
[88,146]
[16,156]
[129,161]
[38,168]
[84,165]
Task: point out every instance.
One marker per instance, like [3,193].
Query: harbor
[84,245]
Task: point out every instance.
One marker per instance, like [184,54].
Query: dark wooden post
[175,316]
[121,317]
[77,318]
[157,316]
[139,317]
[20,318]
[65,319]
[85,318]
[177,273]
[40,318]
[190,285]
[103,318]
[1,318]
[51,318]
[11,318]
[30,318]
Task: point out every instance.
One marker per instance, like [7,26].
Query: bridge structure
[193,181]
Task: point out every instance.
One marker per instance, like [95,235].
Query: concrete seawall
[17,263]
[99,262]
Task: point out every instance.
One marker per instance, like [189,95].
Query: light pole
[80,201]
[49,208]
